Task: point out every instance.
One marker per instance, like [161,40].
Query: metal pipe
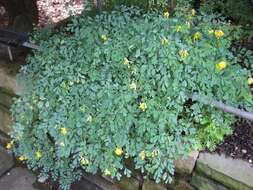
[220,105]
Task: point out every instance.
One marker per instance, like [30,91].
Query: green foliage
[240,12]
[115,87]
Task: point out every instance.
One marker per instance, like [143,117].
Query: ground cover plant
[115,87]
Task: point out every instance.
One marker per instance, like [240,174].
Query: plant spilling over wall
[114,87]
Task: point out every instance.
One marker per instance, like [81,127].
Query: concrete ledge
[5,120]
[202,183]
[6,161]
[185,166]
[232,173]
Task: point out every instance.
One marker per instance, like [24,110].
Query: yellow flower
[221,65]
[84,161]
[89,118]
[133,86]
[164,41]
[250,81]
[126,61]
[118,151]
[166,14]
[64,130]
[107,172]
[197,36]
[178,28]
[154,153]
[38,154]
[142,155]
[22,158]
[218,33]
[183,53]
[143,106]
[10,145]
[188,24]
[193,12]
[104,38]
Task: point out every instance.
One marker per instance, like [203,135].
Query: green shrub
[115,87]
[240,12]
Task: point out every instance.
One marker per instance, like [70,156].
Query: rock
[128,183]
[182,185]
[99,182]
[5,120]
[151,185]
[5,99]
[186,166]
[6,161]
[8,80]
[18,179]
[202,183]
[84,185]
[233,173]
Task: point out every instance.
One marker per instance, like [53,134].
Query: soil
[240,143]
[54,11]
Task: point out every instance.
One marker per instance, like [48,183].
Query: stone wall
[8,90]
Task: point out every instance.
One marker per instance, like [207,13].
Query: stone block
[186,165]
[182,185]
[126,183]
[100,182]
[6,99]
[5,120]
[151,185]
[6,161]
[233,173]
[8,80]
[202,183]
[18,179]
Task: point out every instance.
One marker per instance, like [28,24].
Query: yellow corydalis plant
[164,41]
[183,53]
[22,158]
[193,12]
[38,154]
[10,145]
[107,172]
[104,37]
[218,33]
[64,130]
[221,65]
[118,151]
[84,161]
[126,62]
[250,81]
[133,86]
[166,14]
[142,155]
[197,36]
[178,28]
[143,106]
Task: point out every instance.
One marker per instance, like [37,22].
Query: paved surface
[6,161]
[18,179]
